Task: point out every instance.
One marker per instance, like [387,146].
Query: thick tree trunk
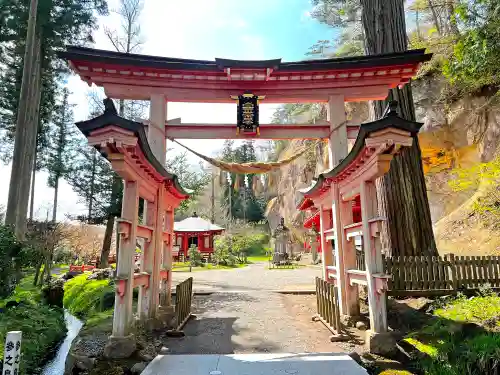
[22,158]
[106,243]
[37,272]
[402,193]
[435,17]
[33,121]
[452,18]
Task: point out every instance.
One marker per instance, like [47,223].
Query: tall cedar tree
[190,177]
[244,204]
[127,39]
[402,192]
[63,137]
[57,24]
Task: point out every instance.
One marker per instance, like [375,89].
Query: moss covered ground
[463,337]
[84,298]
[43,326]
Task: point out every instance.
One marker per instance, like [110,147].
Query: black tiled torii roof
[391,119]
[111,117]
[146,61]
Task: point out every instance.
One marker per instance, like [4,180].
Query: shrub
[84,297]
[234,249]
[43,326]
[9,247]
[195,258]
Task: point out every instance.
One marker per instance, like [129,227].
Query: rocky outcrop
[459,134]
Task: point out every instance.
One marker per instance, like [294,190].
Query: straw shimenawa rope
[254,167]
[248,168]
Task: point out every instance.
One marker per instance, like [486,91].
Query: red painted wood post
[145,308]
[373,258]
[122,317]
[326,246]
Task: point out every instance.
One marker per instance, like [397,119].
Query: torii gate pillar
[338,150]
[156,128]
[338,130]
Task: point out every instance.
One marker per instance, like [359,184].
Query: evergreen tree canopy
[58,24]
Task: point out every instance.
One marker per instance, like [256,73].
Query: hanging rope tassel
[246,168]
[256,167]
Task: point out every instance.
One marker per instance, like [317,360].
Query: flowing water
[56,365]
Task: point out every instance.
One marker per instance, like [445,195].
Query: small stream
[56,365]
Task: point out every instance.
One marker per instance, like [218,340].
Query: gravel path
[250,322]
[252,278]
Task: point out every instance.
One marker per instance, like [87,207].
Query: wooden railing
[327,305]
[183,299]
[360,260]
[430,275]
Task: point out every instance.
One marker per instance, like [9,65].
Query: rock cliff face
[453,136]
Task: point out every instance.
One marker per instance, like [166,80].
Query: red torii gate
[336,194]
[139,158]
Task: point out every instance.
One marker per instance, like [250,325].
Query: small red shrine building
[195,231]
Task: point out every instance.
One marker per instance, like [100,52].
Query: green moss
[43,326]
[476,310]
[84,297]
[451,350]
[430,350]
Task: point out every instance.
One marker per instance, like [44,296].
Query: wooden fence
[82,268]
[327,305]
[430,275]
[183,299]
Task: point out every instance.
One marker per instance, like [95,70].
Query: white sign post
[12,353]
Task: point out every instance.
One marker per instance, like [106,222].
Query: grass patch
[293,267]
[43,326]
[462,338]
[84,298]
[208,267]
[480,310]
[258,258]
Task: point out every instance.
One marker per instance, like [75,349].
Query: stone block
[138,368]
[78,362]
[361,326]
[382,343]
[120,347]
[164,351]
[339,338]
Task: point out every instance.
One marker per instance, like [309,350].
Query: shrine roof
[110,117]
[135,76]
[196,224]
[390,120]
[312,220]
[74,53]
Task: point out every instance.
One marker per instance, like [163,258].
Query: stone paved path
[251,278]
[244,315]
[250,322]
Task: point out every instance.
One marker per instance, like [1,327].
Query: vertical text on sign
[12,353]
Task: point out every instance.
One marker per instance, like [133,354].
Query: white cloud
[204,30]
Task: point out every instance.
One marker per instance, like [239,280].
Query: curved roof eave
[76,53]
[390,120]
[111,117]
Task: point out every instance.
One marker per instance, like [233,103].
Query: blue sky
[198,29]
